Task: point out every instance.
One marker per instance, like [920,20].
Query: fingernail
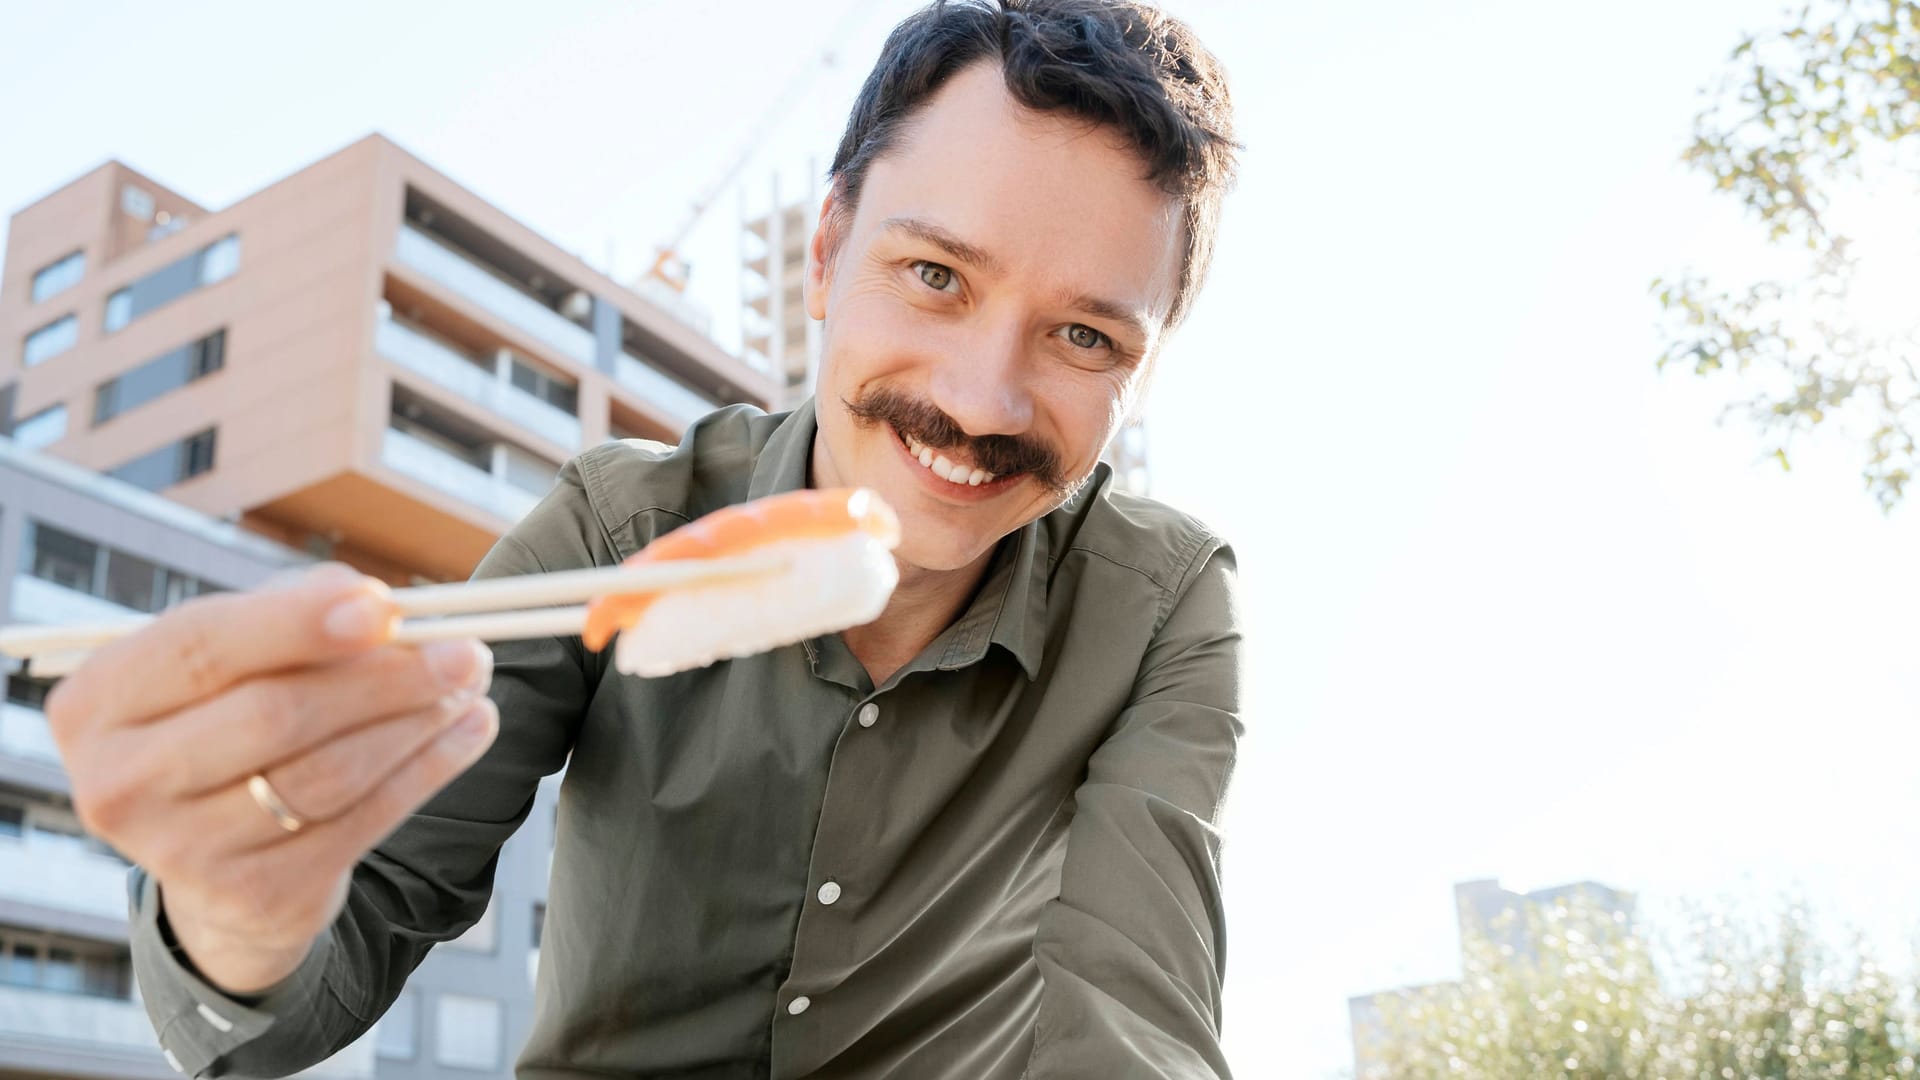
[359,618]
[461,663]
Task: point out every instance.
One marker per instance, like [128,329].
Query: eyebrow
[978,256]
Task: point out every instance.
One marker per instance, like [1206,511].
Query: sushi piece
[837,544]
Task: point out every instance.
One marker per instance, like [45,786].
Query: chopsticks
[496,609]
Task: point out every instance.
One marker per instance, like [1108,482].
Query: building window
[220,260]
[111,574]
[467,1032]
[168,371]
[119,310]
[50,340]
[397,1035]
[539,922]
[214,263]
[169,465]
[39,960]
[29,692]
[59,277]
[136,202]
[13,821]
[43,428]
[556,392]
[132,581]
[62,558]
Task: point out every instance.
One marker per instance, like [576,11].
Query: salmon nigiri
[837,545]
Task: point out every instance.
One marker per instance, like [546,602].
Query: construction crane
[669,268]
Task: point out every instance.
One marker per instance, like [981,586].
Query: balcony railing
[684,405]
[77,1021]
[423,355]
[116,1035]
[24,734]
[481,286]
[55,875]
[36,600]
[435,467]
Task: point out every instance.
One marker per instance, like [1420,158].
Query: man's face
[993,302]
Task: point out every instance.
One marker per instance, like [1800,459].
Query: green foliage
[1833,99]
[1735,1001]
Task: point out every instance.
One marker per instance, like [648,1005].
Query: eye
[934,276]
[1086,337]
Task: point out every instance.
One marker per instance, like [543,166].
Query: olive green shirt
[1019,826]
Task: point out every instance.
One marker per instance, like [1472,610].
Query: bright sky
[1520,609]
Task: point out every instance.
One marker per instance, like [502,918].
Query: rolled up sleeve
[1133,951]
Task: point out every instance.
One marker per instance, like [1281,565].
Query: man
[974,838]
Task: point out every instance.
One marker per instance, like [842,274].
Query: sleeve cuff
[198,1024]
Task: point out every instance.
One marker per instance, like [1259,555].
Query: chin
[934,548]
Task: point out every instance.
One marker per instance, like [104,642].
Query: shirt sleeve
[427,882]
[1133,951]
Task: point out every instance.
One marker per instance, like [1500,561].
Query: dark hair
[1117,63]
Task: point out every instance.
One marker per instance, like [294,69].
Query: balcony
[77,1021]
[678,402]
[24,734]
[421,460]
[38,601]
[114,1037]
[489,292]
[421,354]
[64,877]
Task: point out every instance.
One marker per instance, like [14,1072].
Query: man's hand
[162,729]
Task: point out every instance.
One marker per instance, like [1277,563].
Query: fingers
[271,720]
[340,843]
[210,643]
[320,786]
[395,763]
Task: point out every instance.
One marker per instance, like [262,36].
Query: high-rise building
[1482,908]
[363,361]
[778,334]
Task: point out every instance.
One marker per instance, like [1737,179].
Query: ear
[820,252]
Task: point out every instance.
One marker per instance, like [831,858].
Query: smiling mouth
[937,462]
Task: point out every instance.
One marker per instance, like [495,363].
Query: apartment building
[363,361]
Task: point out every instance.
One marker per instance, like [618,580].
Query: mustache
[1001,455]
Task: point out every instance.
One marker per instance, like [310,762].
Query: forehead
[1061,204]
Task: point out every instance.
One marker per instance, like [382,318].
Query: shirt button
[798,1005]
[829,892]
[868,714]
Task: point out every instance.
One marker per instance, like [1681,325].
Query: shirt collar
[1010,608]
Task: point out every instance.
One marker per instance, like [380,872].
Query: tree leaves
[1581,997]
[1821,103]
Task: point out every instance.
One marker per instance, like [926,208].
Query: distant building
[1479,907]
[778,334]
[363,361]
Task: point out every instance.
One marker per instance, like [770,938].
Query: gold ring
[272,803]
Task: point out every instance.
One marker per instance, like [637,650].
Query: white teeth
[944,469]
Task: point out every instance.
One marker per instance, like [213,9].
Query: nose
[982,384]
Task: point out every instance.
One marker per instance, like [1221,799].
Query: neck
[925,603]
